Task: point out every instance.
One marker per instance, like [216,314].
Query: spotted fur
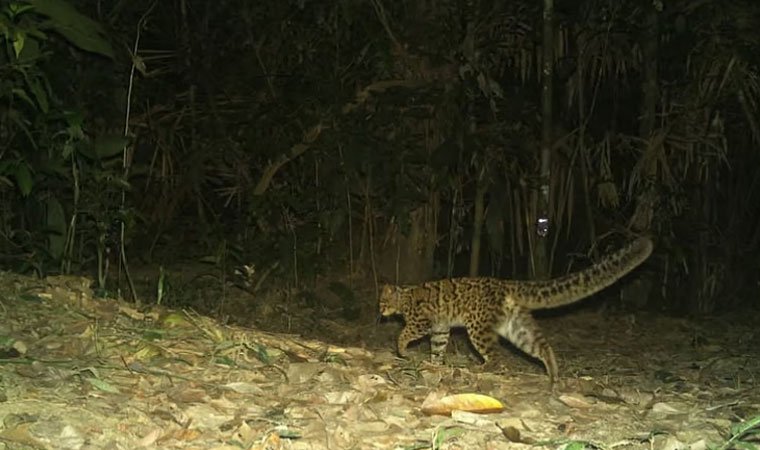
[492,307]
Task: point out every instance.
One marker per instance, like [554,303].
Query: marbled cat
[492,307]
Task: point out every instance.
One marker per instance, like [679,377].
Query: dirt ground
[79,372]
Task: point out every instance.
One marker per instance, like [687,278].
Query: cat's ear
[387,291]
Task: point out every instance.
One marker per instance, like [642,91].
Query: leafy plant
[744,435]
[42,141]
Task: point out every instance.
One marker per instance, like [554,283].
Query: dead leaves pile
[84,373]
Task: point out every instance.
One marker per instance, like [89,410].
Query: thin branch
[311,136]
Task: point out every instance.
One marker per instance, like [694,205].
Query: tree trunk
[642,217]
[408,258]
[540,250]
[477,227]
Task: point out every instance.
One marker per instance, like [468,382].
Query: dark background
[343,143]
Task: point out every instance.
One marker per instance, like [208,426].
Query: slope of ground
[78,372]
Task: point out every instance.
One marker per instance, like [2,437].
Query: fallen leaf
[242,387]
[576,401]
[271,441]
[664,409]
[21,435]
[476,403]
[186,434]
[149,439]
[176,320]
[471,418]
[132,313]
[511,433]
[103,385]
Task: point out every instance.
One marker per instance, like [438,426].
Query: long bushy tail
[578,285]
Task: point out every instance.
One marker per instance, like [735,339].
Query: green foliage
[744,435]
[46,153]
[443,434]
[18,173]
[81,31]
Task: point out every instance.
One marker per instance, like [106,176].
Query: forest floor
[79,372]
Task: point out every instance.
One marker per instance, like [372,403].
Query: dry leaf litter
[87,373]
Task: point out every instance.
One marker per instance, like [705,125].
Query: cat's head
[392,299]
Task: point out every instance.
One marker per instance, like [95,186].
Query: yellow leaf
[176,320]
[146,353]
[475,403]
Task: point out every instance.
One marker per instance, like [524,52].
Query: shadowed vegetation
[381,140]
